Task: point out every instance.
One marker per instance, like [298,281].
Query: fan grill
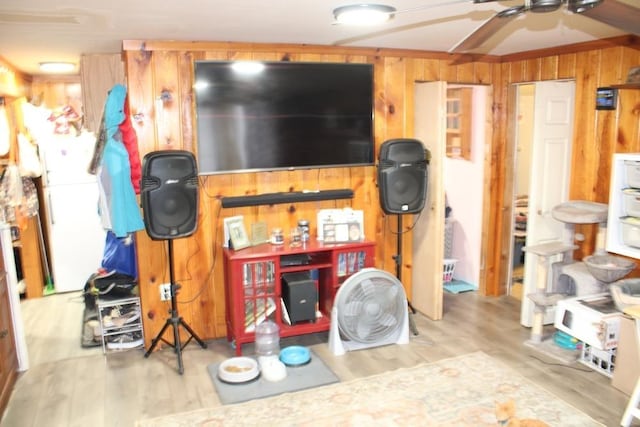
[371,309]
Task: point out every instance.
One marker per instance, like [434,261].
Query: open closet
[524,137]
[464,177]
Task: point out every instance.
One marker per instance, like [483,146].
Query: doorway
[521,179]
[472,231]
[463,186]
[542,126]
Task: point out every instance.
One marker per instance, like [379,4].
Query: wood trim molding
[630,41]
[627,86]
[196,46]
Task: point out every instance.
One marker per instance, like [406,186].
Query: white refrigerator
[75,233]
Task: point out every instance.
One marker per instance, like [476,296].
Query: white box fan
[370,310]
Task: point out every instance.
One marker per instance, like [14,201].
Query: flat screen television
[283,115]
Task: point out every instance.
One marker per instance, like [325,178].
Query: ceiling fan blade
[487,29]
[616,14]
[444,3]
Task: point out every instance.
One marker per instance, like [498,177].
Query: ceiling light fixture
[363,14]
[57,67]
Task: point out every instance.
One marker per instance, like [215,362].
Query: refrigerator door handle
[50,208]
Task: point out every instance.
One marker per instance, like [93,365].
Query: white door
[428,233]
[550,172]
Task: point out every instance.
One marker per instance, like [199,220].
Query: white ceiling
[33,31]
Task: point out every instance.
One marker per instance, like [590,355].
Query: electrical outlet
[165,291]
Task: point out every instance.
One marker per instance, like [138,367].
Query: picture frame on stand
[259,233]
[238,238]
[340,225]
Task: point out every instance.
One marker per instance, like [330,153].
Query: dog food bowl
[238,370]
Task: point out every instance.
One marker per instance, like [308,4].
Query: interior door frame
[510,191]
[434,140]
[428,231]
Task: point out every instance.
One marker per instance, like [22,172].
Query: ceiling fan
[611,12]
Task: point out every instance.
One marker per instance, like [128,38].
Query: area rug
[313,374]
[460,391]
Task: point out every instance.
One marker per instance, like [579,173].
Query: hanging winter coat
[115,175]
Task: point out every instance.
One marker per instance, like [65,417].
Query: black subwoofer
[300,296]
[169,193]
[402,176]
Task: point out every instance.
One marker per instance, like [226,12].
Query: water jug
[267,339]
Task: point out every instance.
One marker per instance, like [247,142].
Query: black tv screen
[283,115]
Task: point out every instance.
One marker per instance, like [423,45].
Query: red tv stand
[253,284]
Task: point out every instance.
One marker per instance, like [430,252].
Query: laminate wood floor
[67,385]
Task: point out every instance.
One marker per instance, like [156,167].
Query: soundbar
[289,197]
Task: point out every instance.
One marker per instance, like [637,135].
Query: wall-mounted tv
[283,115]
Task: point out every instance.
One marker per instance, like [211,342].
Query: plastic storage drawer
[631,201]
[630,228]
[632,172]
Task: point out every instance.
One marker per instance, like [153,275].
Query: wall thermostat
[606,98]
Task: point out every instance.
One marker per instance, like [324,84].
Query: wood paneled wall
[160,75]
[598,134]
[13,83]
[14,86]
[55,92]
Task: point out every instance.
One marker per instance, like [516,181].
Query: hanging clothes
[130,141]
[5,131]
[98,149]
[129,138]
[114,176]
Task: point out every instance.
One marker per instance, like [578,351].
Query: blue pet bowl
[295,355]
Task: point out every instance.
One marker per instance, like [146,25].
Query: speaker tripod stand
[398,259]
[175,321]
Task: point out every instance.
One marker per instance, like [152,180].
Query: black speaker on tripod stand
[169,194]
[402,184]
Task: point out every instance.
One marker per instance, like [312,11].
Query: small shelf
[120,323]
[626,86]
[305,267]
[459,122]
[320,324]
[617,231]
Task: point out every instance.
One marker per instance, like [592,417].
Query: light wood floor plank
[68,385]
